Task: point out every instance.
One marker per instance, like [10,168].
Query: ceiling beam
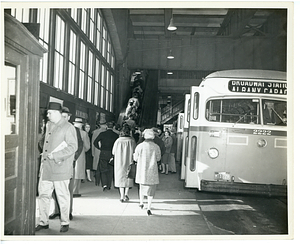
[235,22]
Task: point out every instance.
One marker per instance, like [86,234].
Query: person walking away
[67,115]
[56,169]
[172,161]
[147,154]
[88,154]
[123,156]
[160,143]
[104,142]
[80,162]
[168,141]
[96,151]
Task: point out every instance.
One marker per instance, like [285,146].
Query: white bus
[238,133]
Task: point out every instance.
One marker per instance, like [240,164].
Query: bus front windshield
[247,111]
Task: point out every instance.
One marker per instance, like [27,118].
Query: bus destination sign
[278,88]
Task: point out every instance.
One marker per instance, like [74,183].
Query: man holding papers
[56,168]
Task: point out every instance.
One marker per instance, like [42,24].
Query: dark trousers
[105,172]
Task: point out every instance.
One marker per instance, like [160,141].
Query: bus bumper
[244,188]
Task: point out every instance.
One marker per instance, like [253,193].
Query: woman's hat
[54,106]
[149,134]
[78,121]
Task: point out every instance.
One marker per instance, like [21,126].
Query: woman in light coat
[147,154]
[123,155]
[80,162]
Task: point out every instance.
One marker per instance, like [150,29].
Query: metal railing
[169,112]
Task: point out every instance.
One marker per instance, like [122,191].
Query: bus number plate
[222,176]
[262,132]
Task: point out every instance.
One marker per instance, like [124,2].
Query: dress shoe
[70,216]
[39,227]
[122,200]
[126,198]
[54,215]
[76,195]
[104,188]
[162,172]
[64,228]
[149,212]
[141,206]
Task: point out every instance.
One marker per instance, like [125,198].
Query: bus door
[211,154]
[180,123]
[191,179]
[185,135]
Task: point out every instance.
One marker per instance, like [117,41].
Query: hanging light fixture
[170,73]
[170,56]
[171,26]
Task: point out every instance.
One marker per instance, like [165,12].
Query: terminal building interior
[94,60]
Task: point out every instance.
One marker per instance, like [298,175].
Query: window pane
[102,97]
[74,14]
[89,90]
[21,14]
[97,79]
[83,20]
[43,20]
[59,52]
[82,70]
[193,153]
[244,111]
[92,24]
[104,33]
[196,106]
[10,122]
[274,112]
[98,42]
[71,78]
[81,85]
[96,97]
[72,65]
[90,77]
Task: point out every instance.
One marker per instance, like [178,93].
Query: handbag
[131,170]
[111,161]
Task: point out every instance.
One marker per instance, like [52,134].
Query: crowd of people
[72,154]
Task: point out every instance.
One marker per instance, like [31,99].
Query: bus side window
[213,110]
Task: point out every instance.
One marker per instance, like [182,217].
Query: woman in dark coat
[147,154]
[88,154]
[168,141]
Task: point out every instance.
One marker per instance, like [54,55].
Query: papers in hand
[61,146]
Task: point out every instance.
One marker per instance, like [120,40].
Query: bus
[238,133]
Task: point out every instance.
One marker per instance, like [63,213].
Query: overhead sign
[278,88]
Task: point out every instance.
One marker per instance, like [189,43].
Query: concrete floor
[100,215]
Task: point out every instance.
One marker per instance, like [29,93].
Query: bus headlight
[261,143]
[213,153]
